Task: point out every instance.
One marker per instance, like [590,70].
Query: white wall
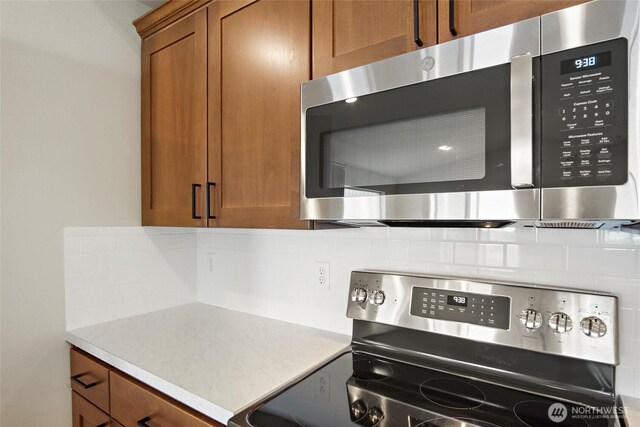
[70,131]
[270,273]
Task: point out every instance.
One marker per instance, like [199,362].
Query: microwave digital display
[585,63]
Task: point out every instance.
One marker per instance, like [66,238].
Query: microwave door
[427,136]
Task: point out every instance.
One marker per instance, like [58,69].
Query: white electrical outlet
[211,262]
[321,275]
[323,385]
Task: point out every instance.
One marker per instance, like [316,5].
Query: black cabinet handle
[209,185]
[77,379]
[143,422]
[452,19]
[416,23]
[102,425]
[193,201]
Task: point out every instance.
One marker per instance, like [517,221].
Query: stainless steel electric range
[434,352]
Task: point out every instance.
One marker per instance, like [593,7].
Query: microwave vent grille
[569,224]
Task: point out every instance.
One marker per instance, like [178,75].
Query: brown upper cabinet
[349,33]
[174,123]
[459,18]
[221,113]
[262,56]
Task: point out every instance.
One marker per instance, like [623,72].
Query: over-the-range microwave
[534,123]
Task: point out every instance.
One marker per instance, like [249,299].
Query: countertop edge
[183,396]
[632,410]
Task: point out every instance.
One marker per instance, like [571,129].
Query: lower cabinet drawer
[87,415]
[90,378]
[136,405]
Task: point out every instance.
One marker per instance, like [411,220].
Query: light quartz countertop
[214,360]
[632,410]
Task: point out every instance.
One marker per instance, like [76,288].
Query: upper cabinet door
[255,125]
[459,18]
[349,33]
[174,123]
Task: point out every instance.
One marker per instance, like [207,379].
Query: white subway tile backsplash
[559,236]
[356,246]
[620,238]
[536,257]
[627,322]
[116,272]
[388,249]
[629,349]
[429,252]
[454,234]
[164,241]
[567,279]
[318,245]
[187,240]
[627,290]
[465,253]
[625,379]
[611,261]
[491,255]
[508,235]
[506,274]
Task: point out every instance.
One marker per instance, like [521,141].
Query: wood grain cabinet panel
[174,123]
[86,415]
[90,379]
[349,33]
[474,16]
[263,51]
[133,403]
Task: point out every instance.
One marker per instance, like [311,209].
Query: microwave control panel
[584,116]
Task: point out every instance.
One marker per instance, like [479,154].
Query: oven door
[443,133]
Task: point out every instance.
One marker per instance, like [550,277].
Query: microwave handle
[522,121]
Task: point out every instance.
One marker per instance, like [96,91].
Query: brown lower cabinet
[86,414]
[129,402]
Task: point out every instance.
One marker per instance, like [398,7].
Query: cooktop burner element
[534,413]
[369,369]
[449,422]
[452,393]
[452,370]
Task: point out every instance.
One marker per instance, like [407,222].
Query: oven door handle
[522,121]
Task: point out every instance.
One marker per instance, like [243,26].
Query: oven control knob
[376,298]
[359,295]
[560,323]
[358,409]
[593,327]
[375,415]
[530,318]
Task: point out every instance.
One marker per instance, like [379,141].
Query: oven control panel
[584,116]
[567,322]
[487,310]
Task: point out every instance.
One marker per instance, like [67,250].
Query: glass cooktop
[360,389]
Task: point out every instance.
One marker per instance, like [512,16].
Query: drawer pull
[77,379]
[102,425]
[143,422]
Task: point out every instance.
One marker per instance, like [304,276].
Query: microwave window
[435,148]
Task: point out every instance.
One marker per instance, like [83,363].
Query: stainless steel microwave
[535,123]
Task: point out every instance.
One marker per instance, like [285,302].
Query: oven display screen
[585,63]
[458,300]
